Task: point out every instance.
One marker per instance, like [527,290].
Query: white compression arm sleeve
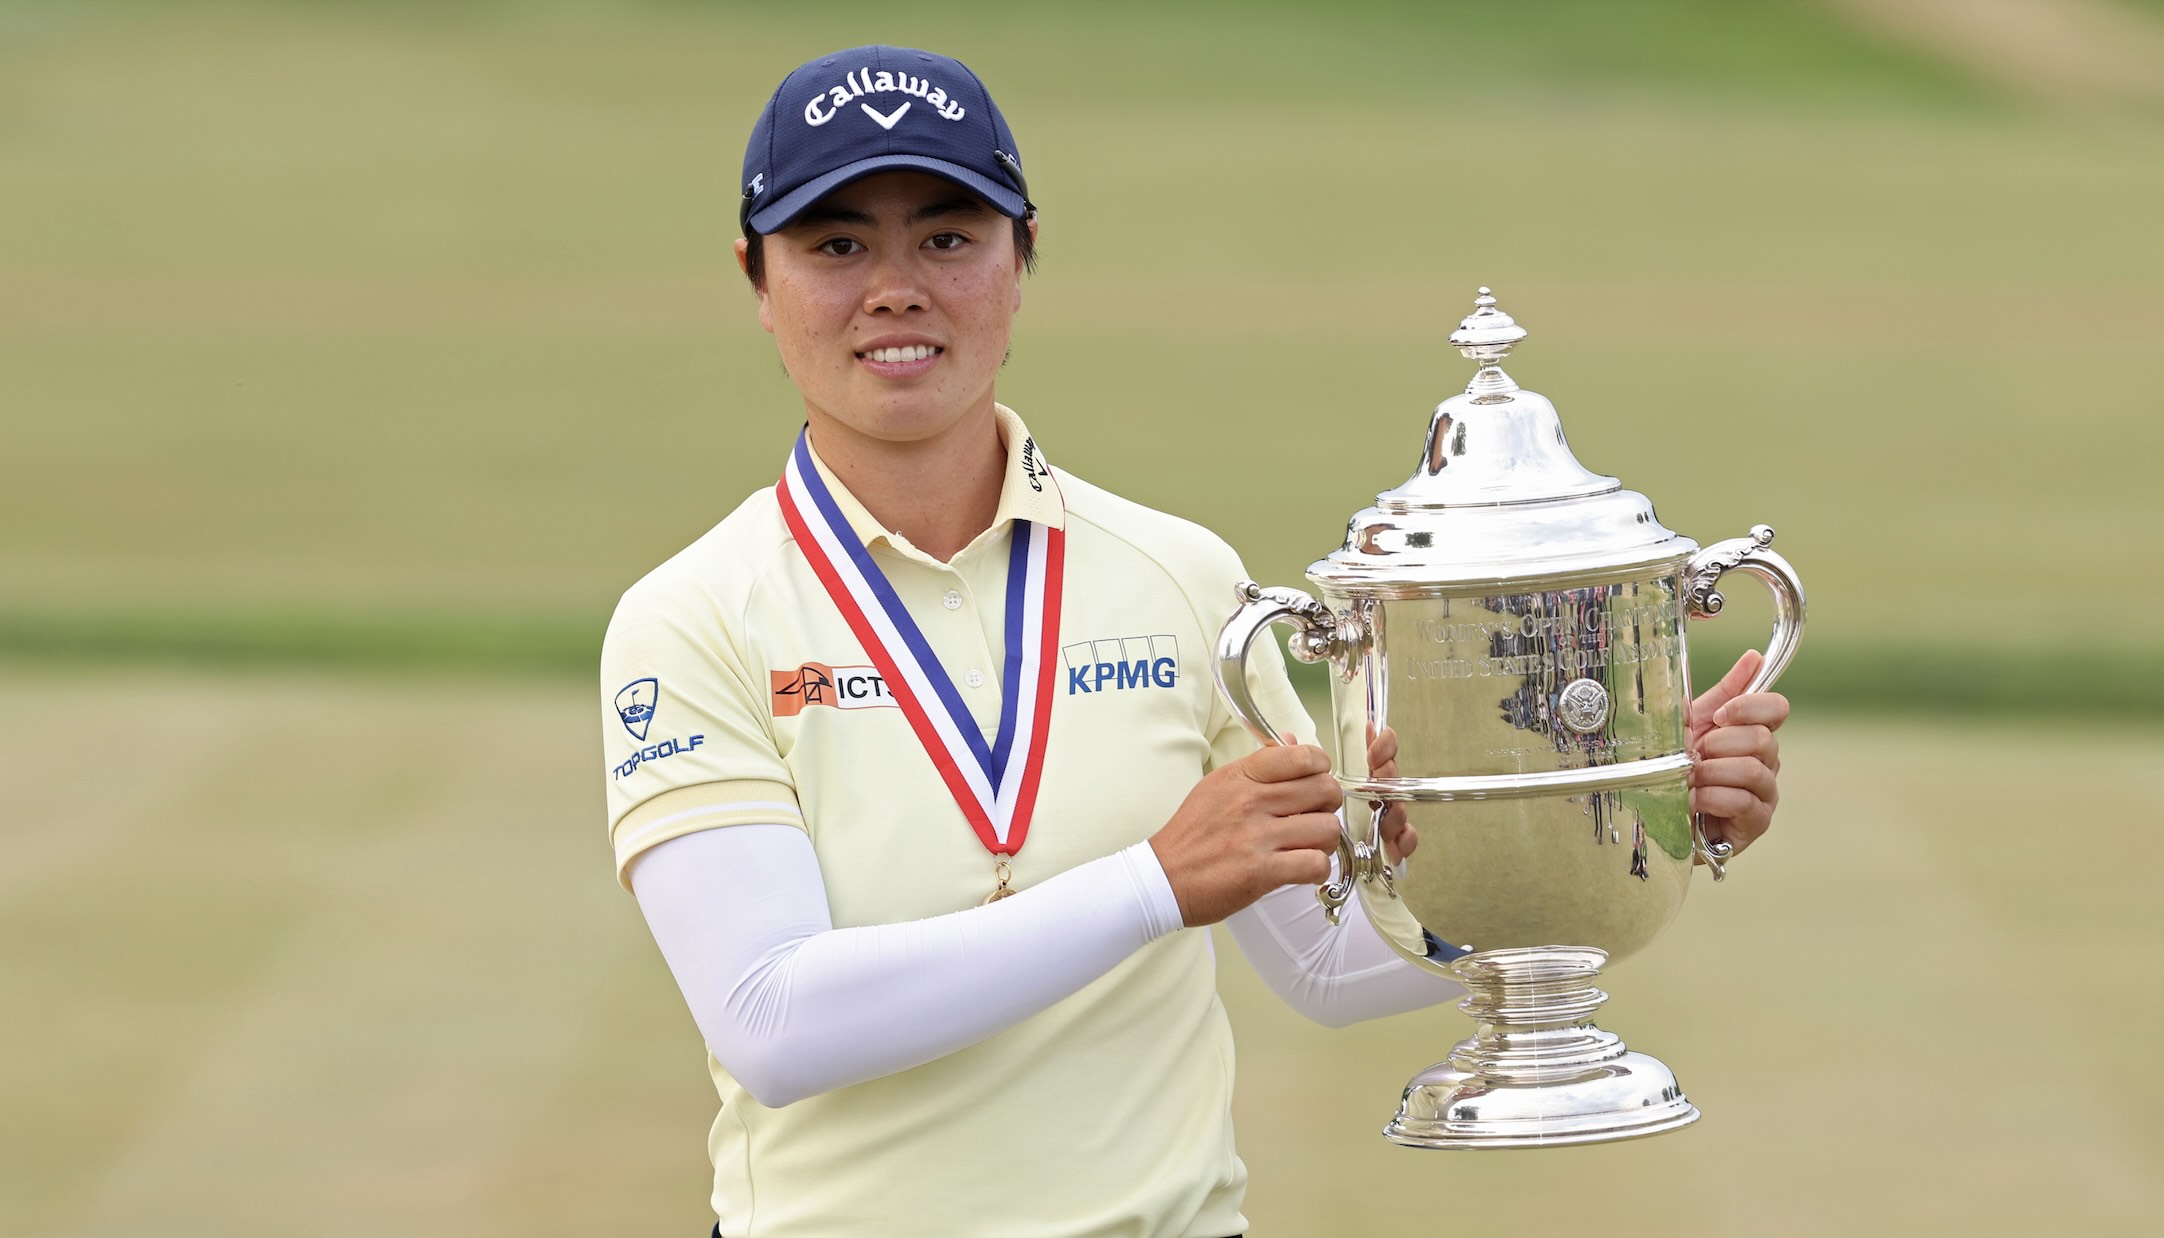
[1335,974]
[792,1006]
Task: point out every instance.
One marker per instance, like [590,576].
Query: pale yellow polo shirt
[734,692]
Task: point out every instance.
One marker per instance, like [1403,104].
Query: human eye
[840,246]
[946,242]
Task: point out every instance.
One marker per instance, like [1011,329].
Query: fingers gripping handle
[1754,556]
[1318,638]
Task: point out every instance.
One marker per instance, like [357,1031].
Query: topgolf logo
[635,704]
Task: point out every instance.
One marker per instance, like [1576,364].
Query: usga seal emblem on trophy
[1519,621]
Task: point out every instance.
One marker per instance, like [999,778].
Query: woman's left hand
[1399,836]
[1732,733]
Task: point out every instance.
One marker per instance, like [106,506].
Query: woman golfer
[914,763]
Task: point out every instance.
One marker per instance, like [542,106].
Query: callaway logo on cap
[869,109]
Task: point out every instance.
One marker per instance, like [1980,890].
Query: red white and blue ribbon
[995,784]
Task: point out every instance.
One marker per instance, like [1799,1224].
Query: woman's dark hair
[755,250]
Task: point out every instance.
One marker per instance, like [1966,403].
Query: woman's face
[892,300]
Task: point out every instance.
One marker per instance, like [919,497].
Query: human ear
[1021,268]
[743,263]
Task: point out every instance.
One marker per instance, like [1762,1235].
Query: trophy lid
[1498,494]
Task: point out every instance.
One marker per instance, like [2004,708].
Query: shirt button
[953,600]
[975,678]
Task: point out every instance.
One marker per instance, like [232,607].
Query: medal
[994,784]
[1003,871]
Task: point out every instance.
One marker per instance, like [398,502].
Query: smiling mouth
[914,352]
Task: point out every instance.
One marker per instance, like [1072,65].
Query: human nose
[896,286]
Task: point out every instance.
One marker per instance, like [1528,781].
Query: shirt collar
[1027,492]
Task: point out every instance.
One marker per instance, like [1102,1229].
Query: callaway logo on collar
[870,109]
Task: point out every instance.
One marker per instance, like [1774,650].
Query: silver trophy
[1519,622]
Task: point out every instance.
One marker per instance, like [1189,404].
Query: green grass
[392,341]
[302,955]
[1905,676]
[389,312]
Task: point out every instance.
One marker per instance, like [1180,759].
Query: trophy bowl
[1519,622]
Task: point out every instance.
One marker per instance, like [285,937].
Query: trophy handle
[1316,640]
[1319,638]
[1753,555]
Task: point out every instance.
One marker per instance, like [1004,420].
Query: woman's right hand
[1266,820]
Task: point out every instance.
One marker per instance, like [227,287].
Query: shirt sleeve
[792,1006]
[687,731]
[1335,974]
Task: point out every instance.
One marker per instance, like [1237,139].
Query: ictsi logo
[842,687]
[1122,662]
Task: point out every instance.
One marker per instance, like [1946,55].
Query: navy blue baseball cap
[867,110]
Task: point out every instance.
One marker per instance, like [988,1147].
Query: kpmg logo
[841,687]
[1121,663]
[635,704]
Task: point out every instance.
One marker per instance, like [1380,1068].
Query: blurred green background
[354,357]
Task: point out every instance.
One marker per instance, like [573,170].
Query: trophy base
[1537,1074]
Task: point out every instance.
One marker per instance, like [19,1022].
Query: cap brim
[776,214]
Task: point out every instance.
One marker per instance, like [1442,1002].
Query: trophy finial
[1486,335]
